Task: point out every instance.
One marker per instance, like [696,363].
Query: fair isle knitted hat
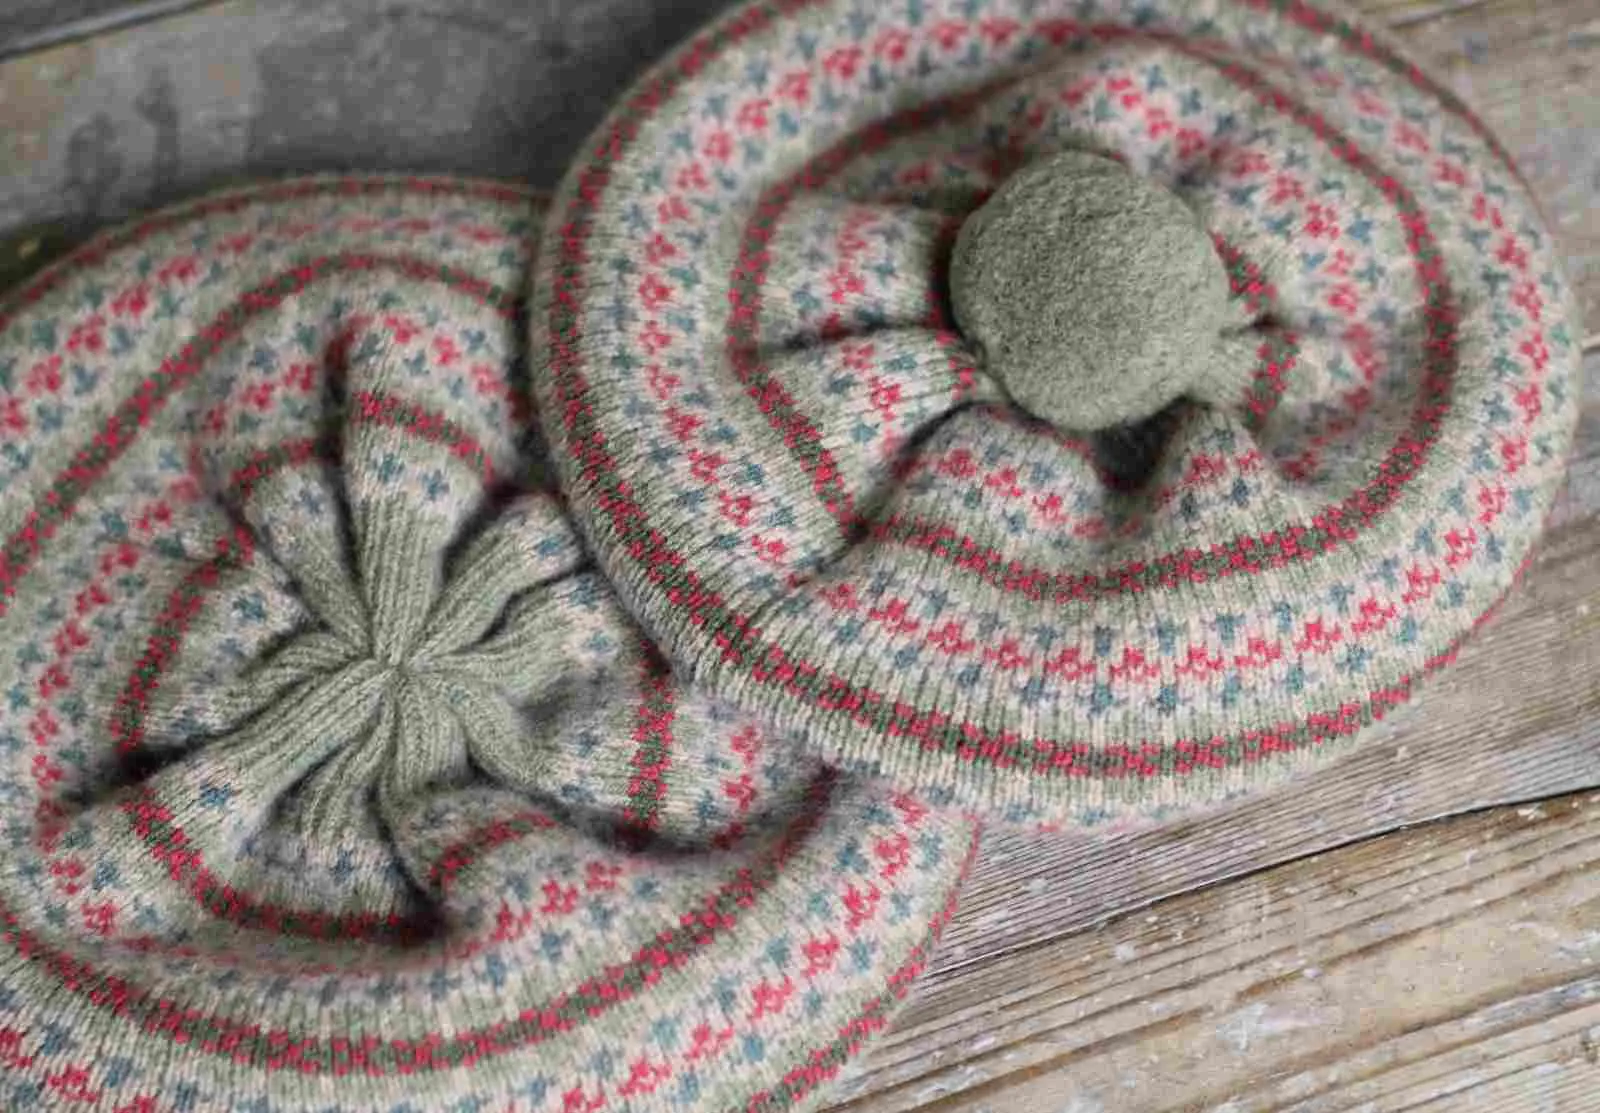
[1076,404]
[334,781]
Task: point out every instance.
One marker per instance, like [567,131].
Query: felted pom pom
[1091,293]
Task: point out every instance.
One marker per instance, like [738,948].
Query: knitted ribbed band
[333,779]
[820,499]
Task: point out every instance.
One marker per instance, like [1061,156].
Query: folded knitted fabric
[334,778]
[1073,406]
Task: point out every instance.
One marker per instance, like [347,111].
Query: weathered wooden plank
[1452,966]
[1517,717]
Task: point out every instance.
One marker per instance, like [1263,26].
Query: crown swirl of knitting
[333,777]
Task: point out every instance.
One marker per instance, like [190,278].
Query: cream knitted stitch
[818,497]
[332,778]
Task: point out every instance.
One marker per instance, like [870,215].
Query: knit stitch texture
[809,488]
[333,779]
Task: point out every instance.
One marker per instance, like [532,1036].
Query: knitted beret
[334,778]
[1076,404]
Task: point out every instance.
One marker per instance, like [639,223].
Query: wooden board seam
[1007,953]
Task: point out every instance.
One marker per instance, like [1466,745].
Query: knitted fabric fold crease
[837,426]
[335,778]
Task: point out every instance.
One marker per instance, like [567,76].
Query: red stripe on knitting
[1341,521]
[734,636]
[374,407]
[652,736]
[93,253]
[464,854]
[178,370]
[443,874]
[1270,382]
[823,1064]
[245,1042]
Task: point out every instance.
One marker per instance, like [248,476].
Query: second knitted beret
[1066,405]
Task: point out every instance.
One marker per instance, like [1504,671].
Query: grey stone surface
[149,113]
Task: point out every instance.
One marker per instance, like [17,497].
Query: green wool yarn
[1090,292]
[842,324]
[333,776]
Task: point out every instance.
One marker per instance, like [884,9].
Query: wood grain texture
[1449,967]
[1399,14]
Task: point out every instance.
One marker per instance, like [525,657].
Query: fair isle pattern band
[333,779]
[805,486]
